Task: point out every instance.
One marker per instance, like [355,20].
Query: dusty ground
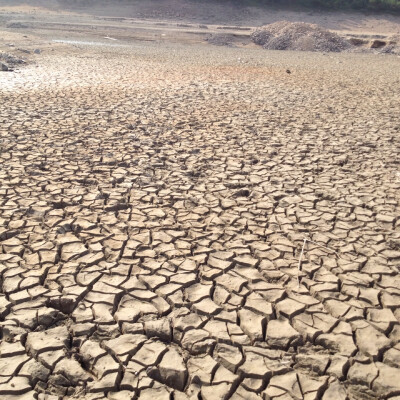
[155,196]
[208,12]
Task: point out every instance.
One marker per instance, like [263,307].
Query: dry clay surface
[210,12]
[154,203]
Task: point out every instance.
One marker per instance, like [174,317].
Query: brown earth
[210,12]
[156,192]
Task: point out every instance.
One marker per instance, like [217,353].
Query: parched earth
[154,203]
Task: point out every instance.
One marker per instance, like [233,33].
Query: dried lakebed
[154,203]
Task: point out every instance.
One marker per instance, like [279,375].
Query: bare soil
[180,220]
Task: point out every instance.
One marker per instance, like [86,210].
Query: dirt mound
[284,35]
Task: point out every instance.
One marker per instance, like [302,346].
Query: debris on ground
[393,45]
[24,51]
[220,39]
[354,41]
[17,25]
[284,35]
[376,44]
[3,67]
[10,60]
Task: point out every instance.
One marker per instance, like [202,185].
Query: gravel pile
[284,35]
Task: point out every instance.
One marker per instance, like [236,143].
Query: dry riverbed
[155,198]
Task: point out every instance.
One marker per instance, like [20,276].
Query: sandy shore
[155,196]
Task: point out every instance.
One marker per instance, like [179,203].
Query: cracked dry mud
[154,202]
